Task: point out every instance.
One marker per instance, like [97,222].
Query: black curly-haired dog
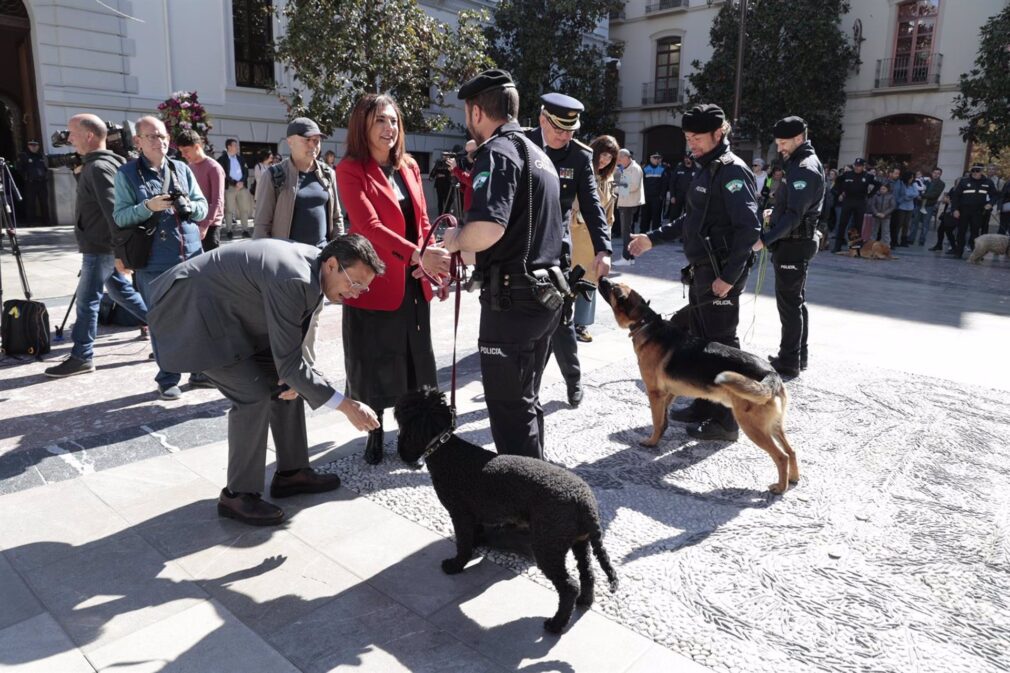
[478,486]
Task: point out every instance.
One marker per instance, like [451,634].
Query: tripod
[8,195]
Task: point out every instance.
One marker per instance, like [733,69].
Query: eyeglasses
[558,129]
[355,285]
[154,136]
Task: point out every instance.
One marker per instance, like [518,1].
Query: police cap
[485,81]
[859,162]
[704,118]
[977,168]
[789,127]
[562,111]
[33,142]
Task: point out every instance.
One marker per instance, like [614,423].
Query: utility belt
[805,231]
[548,285]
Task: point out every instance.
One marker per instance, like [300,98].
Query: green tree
[984,101]
[338,50]
[796,61]
[544,44]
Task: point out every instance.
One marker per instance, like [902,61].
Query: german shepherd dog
[673,362]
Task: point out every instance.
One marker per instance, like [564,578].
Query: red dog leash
[457,275]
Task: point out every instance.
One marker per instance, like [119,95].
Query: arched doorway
[666,139]
[18,103]
[908,140]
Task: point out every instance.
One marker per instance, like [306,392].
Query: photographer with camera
[460,166]
[94,231]
[158,202]
[33,168]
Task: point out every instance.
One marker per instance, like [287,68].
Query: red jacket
[373,211]
[466,182]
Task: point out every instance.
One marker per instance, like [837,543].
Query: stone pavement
[891,555]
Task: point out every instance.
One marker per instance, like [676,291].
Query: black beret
[704,118]
[489,79]
[790,127]
[563,111]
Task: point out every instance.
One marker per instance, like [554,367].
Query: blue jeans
[144,279]
[920,224]
[121,290]
[94,270]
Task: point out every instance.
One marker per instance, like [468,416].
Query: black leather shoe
[373,448]
[574,394]
[953,253]
[306,480]
[692,413]
[936,248]
[713,430]
[784,368]
[249,508]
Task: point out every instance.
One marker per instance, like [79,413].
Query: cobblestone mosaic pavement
[892,554]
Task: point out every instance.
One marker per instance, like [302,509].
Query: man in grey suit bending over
[239,315]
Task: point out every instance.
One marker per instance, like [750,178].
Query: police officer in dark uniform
[33,168]
[852,188]
[683,174]
[719,227]
[513,232]
[573,161]
[792,238]
[971,201]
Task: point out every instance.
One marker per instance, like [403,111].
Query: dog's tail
[596,542]
[749,389]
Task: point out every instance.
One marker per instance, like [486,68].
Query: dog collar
[436,443]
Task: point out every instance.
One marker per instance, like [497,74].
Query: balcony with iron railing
[664,5]
[908,70]
[669,92]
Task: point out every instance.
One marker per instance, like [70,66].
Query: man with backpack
[296,199]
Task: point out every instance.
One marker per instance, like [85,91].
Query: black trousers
[899,227]
[850,217]
[212,240]
[37,194]
[715,319]
[947,227]
[791,259]
[677,208]
[652,214]
[513,346]
[971,222]
[565,348]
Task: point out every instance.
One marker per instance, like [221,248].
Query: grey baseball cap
[303,126]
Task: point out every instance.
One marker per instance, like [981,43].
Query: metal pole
[739,61]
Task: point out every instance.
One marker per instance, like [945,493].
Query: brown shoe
[249,508]
[305,480]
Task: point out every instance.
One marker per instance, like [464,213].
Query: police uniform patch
[480,179]
[734,185]
[799,184]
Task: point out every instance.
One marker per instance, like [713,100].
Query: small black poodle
[478,486]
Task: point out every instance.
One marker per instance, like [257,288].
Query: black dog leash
[457,275]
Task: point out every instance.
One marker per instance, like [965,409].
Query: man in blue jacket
[144,197]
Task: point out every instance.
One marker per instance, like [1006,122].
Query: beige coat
[583,252]
[275,208]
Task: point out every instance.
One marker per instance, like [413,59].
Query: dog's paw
[648,443]
[585,599]
[451,566]
[553,625]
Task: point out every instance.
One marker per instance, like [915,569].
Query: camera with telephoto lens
[118,140]
[181,203]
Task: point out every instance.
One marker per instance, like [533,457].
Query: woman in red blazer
[387,331]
